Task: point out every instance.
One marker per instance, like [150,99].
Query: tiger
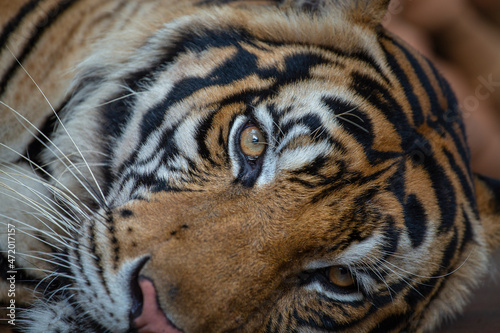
[231,166]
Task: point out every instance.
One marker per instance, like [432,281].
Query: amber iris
[252,142]
[340,276]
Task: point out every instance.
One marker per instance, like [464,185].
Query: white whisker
[62,125]
[45,256]
[50,205]
[55,237]
[373,269]
[117,99]
[47,212]
[60,160]
[432,277]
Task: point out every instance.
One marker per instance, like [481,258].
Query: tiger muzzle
[205,271]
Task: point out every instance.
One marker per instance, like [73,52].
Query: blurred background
[462,37]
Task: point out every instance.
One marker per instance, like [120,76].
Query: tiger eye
[340,276]
[252,142]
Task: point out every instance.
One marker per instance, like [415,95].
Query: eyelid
[364,282]
[323,264]
[338,295]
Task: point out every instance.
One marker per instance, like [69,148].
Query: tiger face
[270,167]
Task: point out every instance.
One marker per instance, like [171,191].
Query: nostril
[135,290]
[152,318]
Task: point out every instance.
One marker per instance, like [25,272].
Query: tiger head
[265,168]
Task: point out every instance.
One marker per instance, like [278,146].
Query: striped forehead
[216,69]
[299,111]
[288,89]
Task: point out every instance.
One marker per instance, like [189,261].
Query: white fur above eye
[297,158]
[233,153]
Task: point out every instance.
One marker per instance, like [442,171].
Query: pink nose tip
[152,319]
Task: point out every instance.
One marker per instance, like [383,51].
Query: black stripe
[392,323]
[335,182]
[434,286]
[383,101]
[450,119]
[353,121]
[34,149]
[78,257]
[381,98]
[415,224]
[315,168]
[442,186]
[116,247]
[237,67]
[116,116]
[38,143]
[312,121]
[363,133]
[14,22]
[415,220]
[468,231]
[98,258]
[391,237]
[42,27]
[423,76]
[344,178]
[465,180]
[302,182]
[445,192]
[405,83]
[271,324]
[201,136]
[362,57]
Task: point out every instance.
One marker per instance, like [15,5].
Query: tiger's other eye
[341,277]
[252,142]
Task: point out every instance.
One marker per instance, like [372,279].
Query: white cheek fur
[350,297]
[233,154]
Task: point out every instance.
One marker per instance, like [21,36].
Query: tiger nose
[136,291]
[147,316]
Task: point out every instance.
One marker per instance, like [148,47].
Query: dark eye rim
[250,168]
[321,276]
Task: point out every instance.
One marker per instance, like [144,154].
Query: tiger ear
[488,201]
[370,12]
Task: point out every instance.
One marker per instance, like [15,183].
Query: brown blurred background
[462,37]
